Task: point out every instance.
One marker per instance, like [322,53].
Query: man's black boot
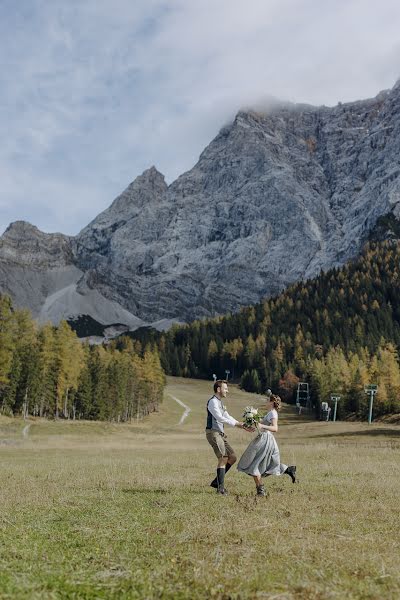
[214,483]
[221,479]
[291,471]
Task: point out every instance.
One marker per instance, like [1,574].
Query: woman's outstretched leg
[259,485]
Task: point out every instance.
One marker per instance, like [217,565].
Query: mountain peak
[17,228]
[24,229]
[147,190]
[152,172]
[147,187]
[152,177]
[24,243]
[244,117]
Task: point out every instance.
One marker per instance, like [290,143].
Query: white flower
[250,410]
[249,413]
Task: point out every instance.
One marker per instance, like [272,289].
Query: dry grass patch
[92,510]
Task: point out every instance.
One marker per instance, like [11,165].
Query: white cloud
[95,91]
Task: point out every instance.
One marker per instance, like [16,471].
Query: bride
[261,458]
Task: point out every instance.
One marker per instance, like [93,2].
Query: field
[95,510]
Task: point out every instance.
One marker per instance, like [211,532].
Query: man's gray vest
[212,422]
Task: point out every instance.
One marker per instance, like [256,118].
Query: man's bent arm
[221,417]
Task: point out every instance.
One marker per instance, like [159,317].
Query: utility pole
[371,389]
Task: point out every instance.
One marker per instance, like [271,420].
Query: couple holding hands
[261,458]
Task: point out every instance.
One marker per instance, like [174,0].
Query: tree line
[48,372]
[336,331]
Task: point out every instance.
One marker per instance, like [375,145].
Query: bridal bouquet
[251,416]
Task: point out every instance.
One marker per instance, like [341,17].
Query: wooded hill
[338,332]
[49,372]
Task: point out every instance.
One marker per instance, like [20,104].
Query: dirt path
[185,412]
[26,430]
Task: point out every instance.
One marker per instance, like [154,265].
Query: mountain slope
[274,198]
[339,331]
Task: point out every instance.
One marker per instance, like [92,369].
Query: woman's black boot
[260,490]
[291,471]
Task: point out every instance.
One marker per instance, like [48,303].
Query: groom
[217,416]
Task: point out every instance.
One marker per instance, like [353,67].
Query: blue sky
[95,91]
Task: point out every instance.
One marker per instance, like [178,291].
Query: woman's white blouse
[272,414]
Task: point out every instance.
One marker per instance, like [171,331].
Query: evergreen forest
[338,332]
[48,372]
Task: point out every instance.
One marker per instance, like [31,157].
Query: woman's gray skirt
[262,457]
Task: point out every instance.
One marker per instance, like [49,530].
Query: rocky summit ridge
[276,197]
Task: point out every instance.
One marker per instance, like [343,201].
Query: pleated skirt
[261,456]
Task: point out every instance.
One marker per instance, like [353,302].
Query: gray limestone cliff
[276,197]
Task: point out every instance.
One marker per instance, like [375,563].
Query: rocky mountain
[276,197]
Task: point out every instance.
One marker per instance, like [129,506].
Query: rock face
[274,198]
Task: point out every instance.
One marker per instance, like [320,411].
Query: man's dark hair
[218,383]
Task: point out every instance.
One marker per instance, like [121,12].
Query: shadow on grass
[298,419]
[6,442]
[387,432]
[145,491]
[162,492]
[290,415]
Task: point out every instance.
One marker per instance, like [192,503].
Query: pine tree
[47,371]
[7,340]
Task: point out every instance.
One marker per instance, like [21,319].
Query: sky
[93,92]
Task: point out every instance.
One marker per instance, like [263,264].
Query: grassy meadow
[97,510]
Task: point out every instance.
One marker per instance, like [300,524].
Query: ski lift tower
[303,400]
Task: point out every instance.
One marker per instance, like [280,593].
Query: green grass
[94,510]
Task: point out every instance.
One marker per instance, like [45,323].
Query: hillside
[336,331]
